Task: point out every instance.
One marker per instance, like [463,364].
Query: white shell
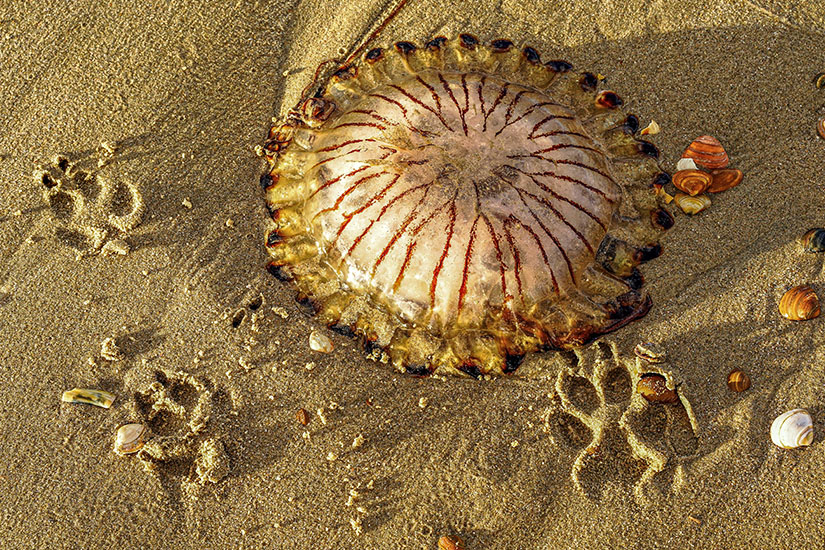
[319,342]
[686,164]
[129,438]
[792,429]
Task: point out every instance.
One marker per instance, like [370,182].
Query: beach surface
[149,282]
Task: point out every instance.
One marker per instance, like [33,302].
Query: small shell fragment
[724,179]
[653,387]
[98,398]
[692,205]
[320,342]
[110,351]
[813,240]
[820,128]
[302,416]
[707,152]
[692,182]
[129,438]
[450,542]
[800,303]
[819,81]
[650,352]
[651,129]
[792,429]
[686,163]
[738,381]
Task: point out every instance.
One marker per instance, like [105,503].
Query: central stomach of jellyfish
[492,203]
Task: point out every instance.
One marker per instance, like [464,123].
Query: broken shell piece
[792,429]
[800,303]
[820,128]
[692,182]
[450,542]
[692,205]
[707,152]
[98,398]
[653,387]
[650,352]
[302,416]
[686,164]
[738,381]
[129,438]
[651,129]
[724,179]
[320,342]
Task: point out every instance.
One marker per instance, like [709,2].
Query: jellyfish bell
[461,205]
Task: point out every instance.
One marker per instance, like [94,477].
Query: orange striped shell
[707,152]
[800,303]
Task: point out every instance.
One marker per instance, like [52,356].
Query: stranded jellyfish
[461,205]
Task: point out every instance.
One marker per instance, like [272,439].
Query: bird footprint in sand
[88,208]
[618,438]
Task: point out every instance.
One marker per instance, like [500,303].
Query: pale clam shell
[129,438]
[320,342]
[792,429]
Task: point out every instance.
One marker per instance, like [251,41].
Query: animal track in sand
[616,435]
[180,411]
[87,207]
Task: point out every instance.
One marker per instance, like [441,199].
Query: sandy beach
[150,282]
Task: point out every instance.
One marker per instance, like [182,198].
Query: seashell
[692,182]
[724,179]
[800,303]
[650,352]
[651,129]
[653,387]
[302,416]
[813,240]
[819,80]
[450,542]
[129,438]
[320,342]
[692,205]
[738,381]
[98,398]
[792,429]
[820,128]
[707,152]
[686,164]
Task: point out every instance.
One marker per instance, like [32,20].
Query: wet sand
[157,113]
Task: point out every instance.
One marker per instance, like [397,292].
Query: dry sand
[162,108]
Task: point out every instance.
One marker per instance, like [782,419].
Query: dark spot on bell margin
[512,362]
[588,82]
[346,72]
[273,238]
[531,54]
[468,40]
[279,272]
[559,66]
[405,47]
[436,43]
[418,370]
[501,45]
[636,280]
[647,253]
[661,218]
[344,330]
[471,369]
[266,181]
[374,54]
[648,149]
[630,124]
[661,179]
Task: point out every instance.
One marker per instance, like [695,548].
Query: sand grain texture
[167,104]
